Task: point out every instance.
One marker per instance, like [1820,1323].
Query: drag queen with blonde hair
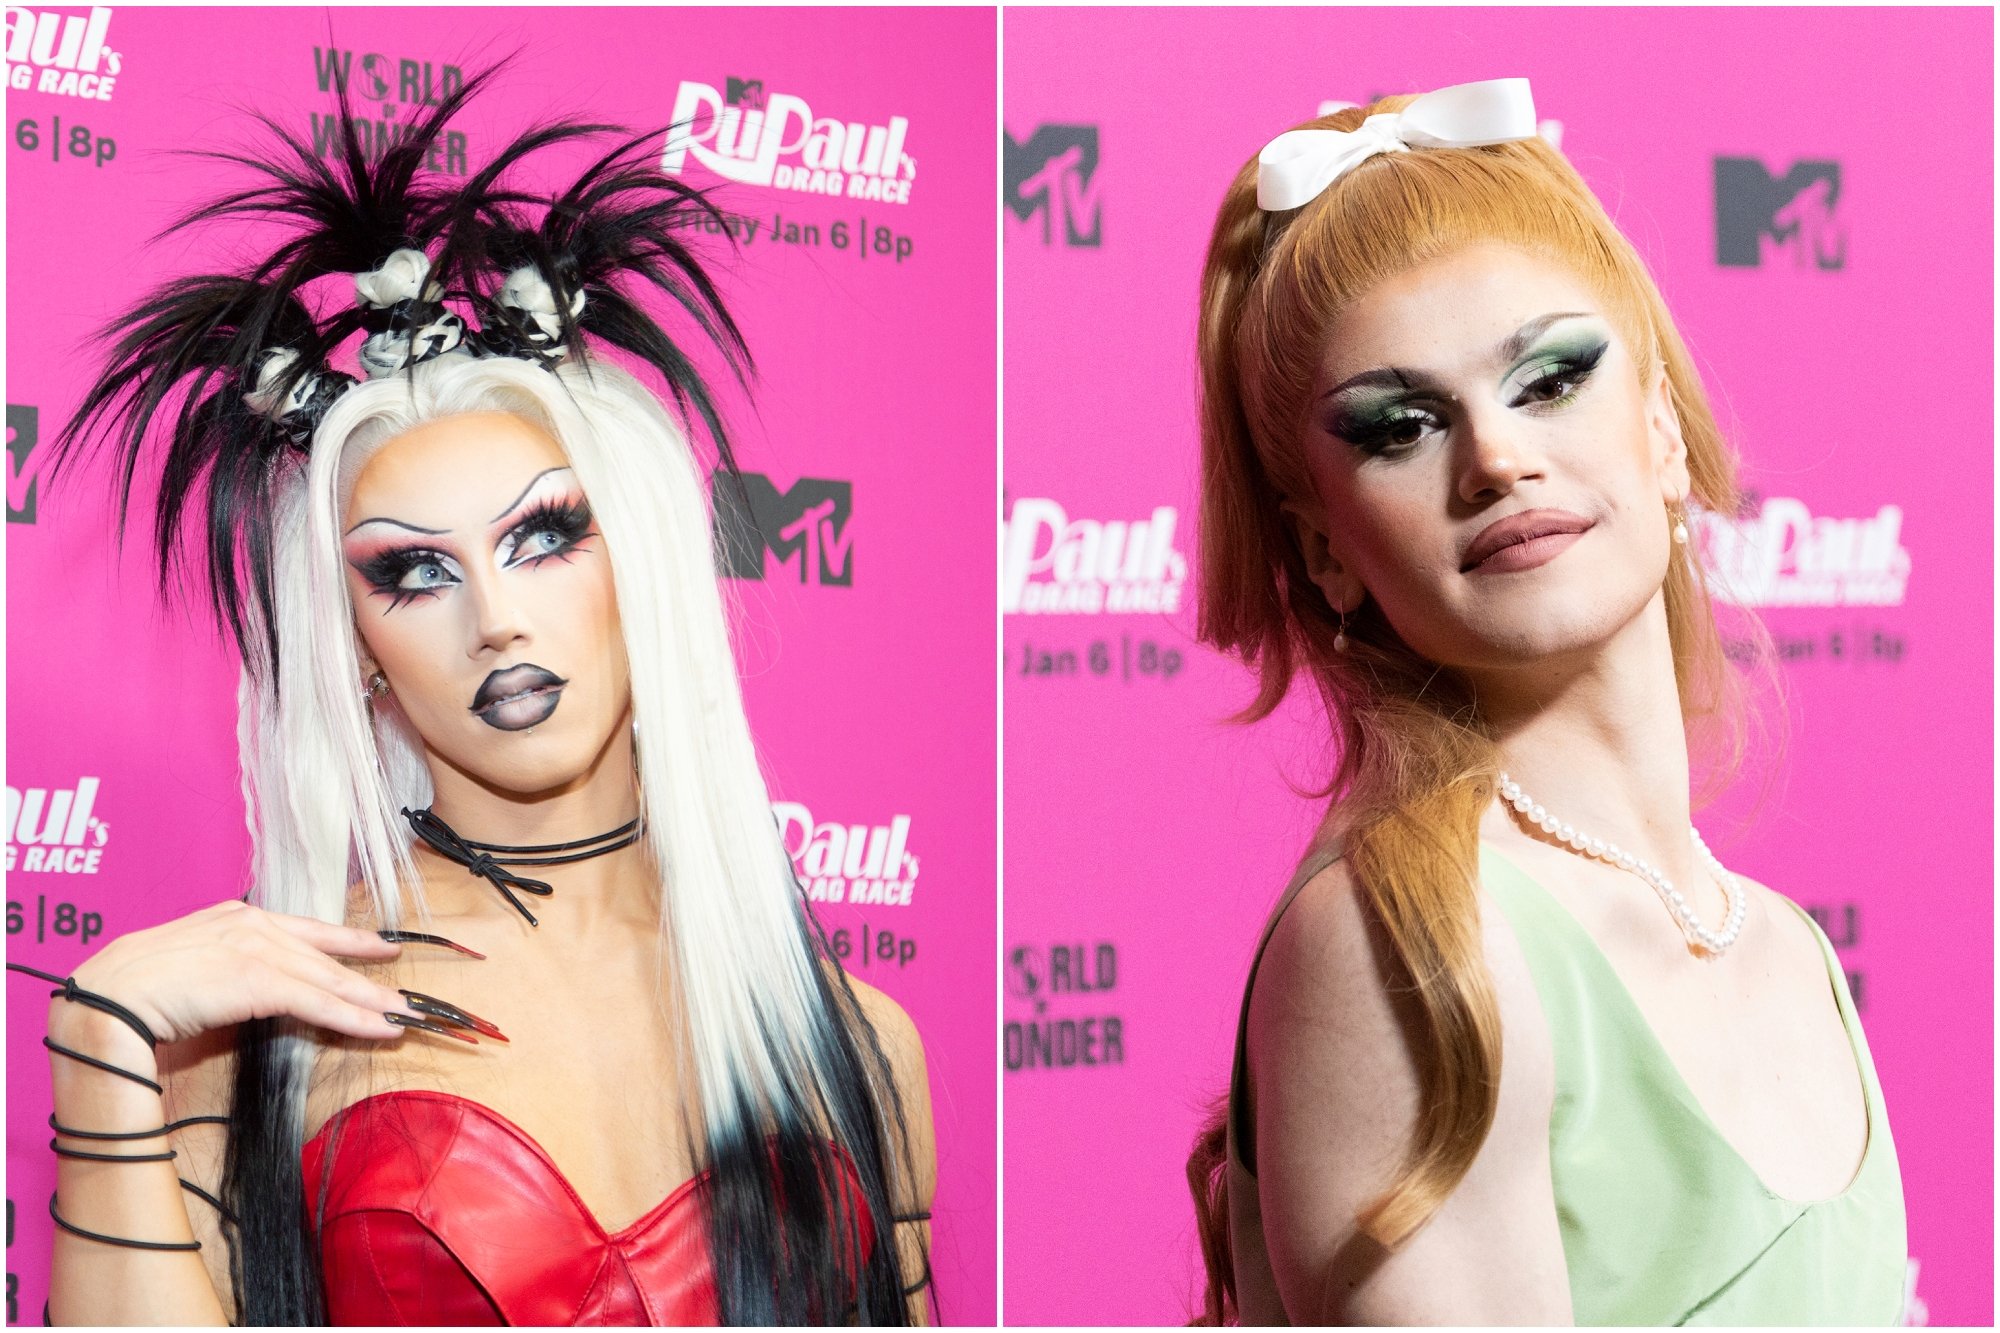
[1516,1048]
[519,898]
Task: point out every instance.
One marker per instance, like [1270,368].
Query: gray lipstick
[518,698]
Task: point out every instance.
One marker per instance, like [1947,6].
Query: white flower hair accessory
[1297,165]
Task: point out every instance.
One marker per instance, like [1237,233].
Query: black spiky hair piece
[620,217]
[254,360]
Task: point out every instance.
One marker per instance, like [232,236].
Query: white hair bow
[1298,164]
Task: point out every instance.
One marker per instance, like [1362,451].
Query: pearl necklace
[1714,941]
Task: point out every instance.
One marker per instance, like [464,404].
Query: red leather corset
[443,1211]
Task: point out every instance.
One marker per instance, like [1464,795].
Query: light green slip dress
[1663,1223]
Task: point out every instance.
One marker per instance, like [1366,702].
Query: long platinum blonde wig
[326,776]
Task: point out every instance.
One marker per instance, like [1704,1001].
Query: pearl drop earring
[1340,635]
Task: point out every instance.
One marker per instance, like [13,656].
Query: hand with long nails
[219,966]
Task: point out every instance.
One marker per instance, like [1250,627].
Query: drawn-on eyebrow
[395,522]
[524,494]
[1393,377]
[440,532]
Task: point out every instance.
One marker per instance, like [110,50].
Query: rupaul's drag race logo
[1051,184]
[54,831]
[763,530]
[744,134]
[862,864]
[399,88]
[1784,556]
[1761,218]
[1052,564]
[63,54]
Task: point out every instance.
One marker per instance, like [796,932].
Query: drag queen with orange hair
[1516,1048]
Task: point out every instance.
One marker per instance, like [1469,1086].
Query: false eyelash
[1373,438]
[1578,368]
[385,570]
[1560,374]
[569,518]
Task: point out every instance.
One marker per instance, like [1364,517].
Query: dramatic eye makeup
[553,528]
[1388,412]
[1566,359]
[405,573]
[549,521]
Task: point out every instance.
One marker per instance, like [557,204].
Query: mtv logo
[1054,174]
[807,523]
[743,92]
[1757,213]
[23,434]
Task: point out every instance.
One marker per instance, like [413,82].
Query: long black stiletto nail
[405,1021]
[451,1013]
[412,937]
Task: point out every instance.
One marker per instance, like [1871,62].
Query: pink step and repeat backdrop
[1832,271]
[867,630]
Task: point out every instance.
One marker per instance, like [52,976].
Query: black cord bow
[440,838]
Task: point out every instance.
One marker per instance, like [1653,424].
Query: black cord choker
[479,857]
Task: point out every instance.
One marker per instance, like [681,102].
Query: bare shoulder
[1323,992]
[903,1048]
[1794,952]
[892,1024]
[1339,1040]
[1324,927]
[1332,990]
[361,912]
[1325,1028]
[1786,912]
